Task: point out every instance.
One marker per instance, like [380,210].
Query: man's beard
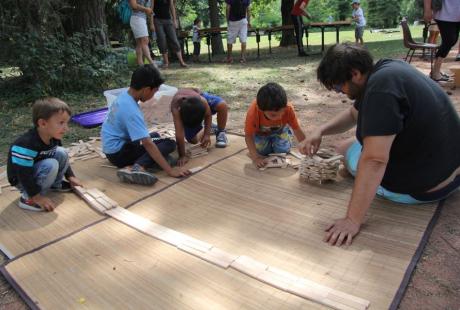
[355,91]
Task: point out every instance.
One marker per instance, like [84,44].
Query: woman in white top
[138,22]
[446,13]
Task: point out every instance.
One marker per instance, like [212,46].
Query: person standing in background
[165,22]
[238,22]
[446,13]
[138,23]
[299,10]
[358,16]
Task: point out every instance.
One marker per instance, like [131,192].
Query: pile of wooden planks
[321,167]
[166,131]
[85,150]
[96,199]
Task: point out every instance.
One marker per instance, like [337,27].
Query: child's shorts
[359,31]
[213,101]
[351,162]
[277,142]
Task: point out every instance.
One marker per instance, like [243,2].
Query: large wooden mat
[268,215]
[22,231]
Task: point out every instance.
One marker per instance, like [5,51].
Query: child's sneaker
[221,139]
[136,176]
[28,204]
[64,188]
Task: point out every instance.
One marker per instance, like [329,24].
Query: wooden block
[107,205]
[88,157]
[109,166]
[348,300]
[214,256]
[195,169]
[95,193]
[113,203]
[172,237]
[79,190]
[278,278]
[278,154]
[296,154]
[333,158]
[196,245]
[249,266]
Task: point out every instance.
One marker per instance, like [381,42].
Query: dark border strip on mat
[18,288]
[25,297]
[416,257]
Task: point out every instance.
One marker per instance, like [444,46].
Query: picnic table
[208,33]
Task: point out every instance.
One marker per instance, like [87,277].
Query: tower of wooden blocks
[320,167]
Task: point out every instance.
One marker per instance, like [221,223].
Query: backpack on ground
[237,9]
[124,11]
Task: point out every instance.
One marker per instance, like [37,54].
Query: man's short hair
[146,76]
[192,111]
[271,97]
[338,62]
[45,108]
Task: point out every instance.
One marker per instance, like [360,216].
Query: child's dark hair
[271,97]
[197,21]
[146,76]
[192,111]
[338,62]
[45,108]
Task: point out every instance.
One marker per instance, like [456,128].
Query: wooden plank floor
[268,215]
[22,231]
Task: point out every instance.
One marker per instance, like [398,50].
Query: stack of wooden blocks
[96,199]
[321,167]
[195,150]
[85,150]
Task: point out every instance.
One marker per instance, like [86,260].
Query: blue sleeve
[136,127]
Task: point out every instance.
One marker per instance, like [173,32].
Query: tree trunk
[89,18]
[216,39]
[287,37]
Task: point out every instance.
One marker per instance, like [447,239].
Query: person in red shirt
[266,128]
[299,9]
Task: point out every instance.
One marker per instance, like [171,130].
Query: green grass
[238,84]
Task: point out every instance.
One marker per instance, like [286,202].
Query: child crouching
[266,128]
[37,162]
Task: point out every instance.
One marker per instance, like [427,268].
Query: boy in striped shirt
[36,160]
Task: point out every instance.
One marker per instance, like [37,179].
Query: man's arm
[371,168]
[341,123]
[427,12]
[248,15]
[207,117]
[172,8]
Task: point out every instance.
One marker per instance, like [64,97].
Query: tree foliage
[58,45]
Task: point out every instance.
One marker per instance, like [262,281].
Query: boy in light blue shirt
[125,138]
[358,16]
